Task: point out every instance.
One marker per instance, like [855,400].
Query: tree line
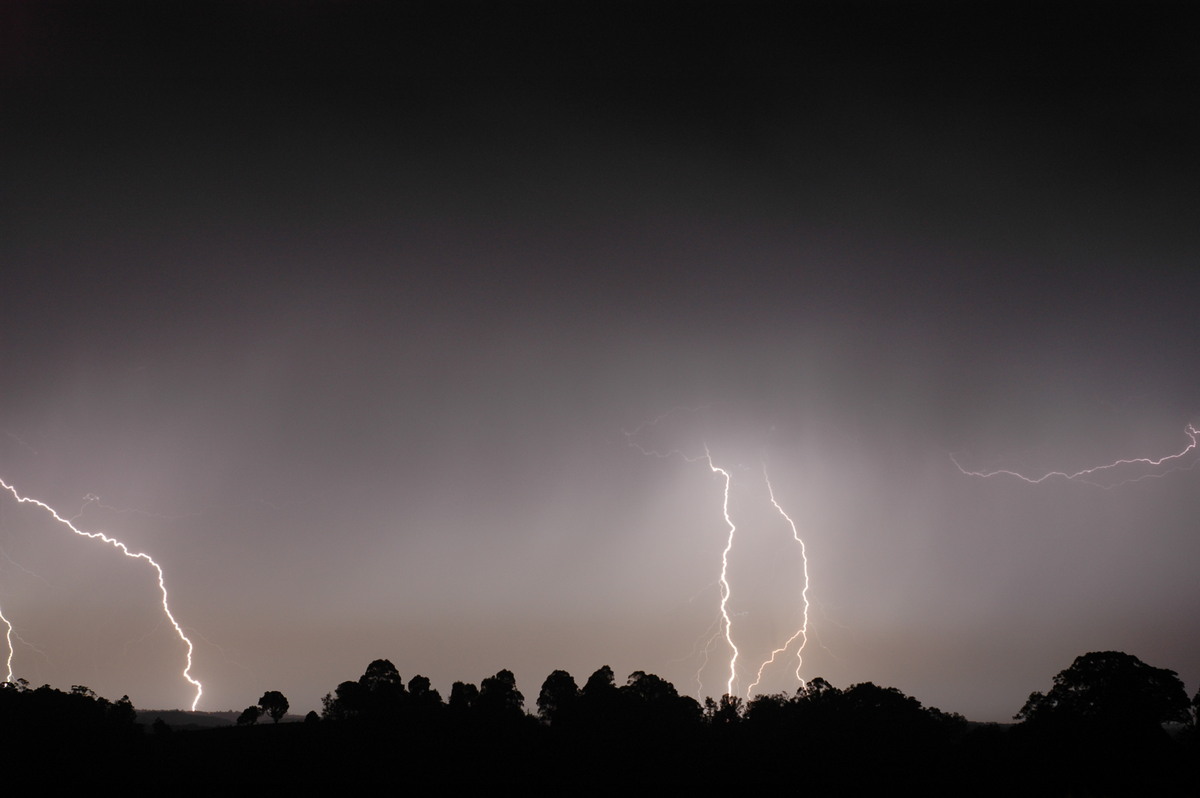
[1109,725]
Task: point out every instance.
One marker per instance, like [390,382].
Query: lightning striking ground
[1084,475]
[727,623]
[802,632]
[724,619]
[8,635]
[117,544]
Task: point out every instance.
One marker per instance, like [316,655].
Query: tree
[499,694]
[815,688]
[122,713]
[767,711]
[599,704]
[558,696]
[653,703]
[384,688]
[378,693]
[348,700]
[600,684]
[463,696]
[422,698]
[273,704]
[381,676]
[249,716]
[725,713]
[1109,692]
[649,688]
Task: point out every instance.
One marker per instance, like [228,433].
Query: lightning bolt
[726,622]
[714,627]
[1084,475]
[8,636]
[162,585]
[11,634]
[802,632]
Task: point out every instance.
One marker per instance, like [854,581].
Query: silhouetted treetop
[724,713]
[1109,690]
[274,705]
[600,683]
[463,696]
[382,677]
[558,697]
[499,695]
[378,692]
[79,713]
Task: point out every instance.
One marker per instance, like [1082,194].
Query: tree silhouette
[424,702]
[653,703]
[381,676]
[558,697]
[249,716]
[463,696]
[274,705]
[346,701]
[378,692]
[727,712]
[1099,730]
[498,695]
[600,684]
[1109,692]
[122,712]
[599,701]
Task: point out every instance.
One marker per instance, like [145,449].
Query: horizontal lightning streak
[1190,431]
[162,586]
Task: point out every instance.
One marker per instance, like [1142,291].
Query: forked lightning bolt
[1086,474]
[802,632]
[724,620]
[162,586]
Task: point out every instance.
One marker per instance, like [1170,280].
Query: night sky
[360,319]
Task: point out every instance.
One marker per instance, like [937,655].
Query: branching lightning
[117,544]
[724,621]
[1085,475]
[802,632]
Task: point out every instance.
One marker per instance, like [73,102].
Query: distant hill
[182,719]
